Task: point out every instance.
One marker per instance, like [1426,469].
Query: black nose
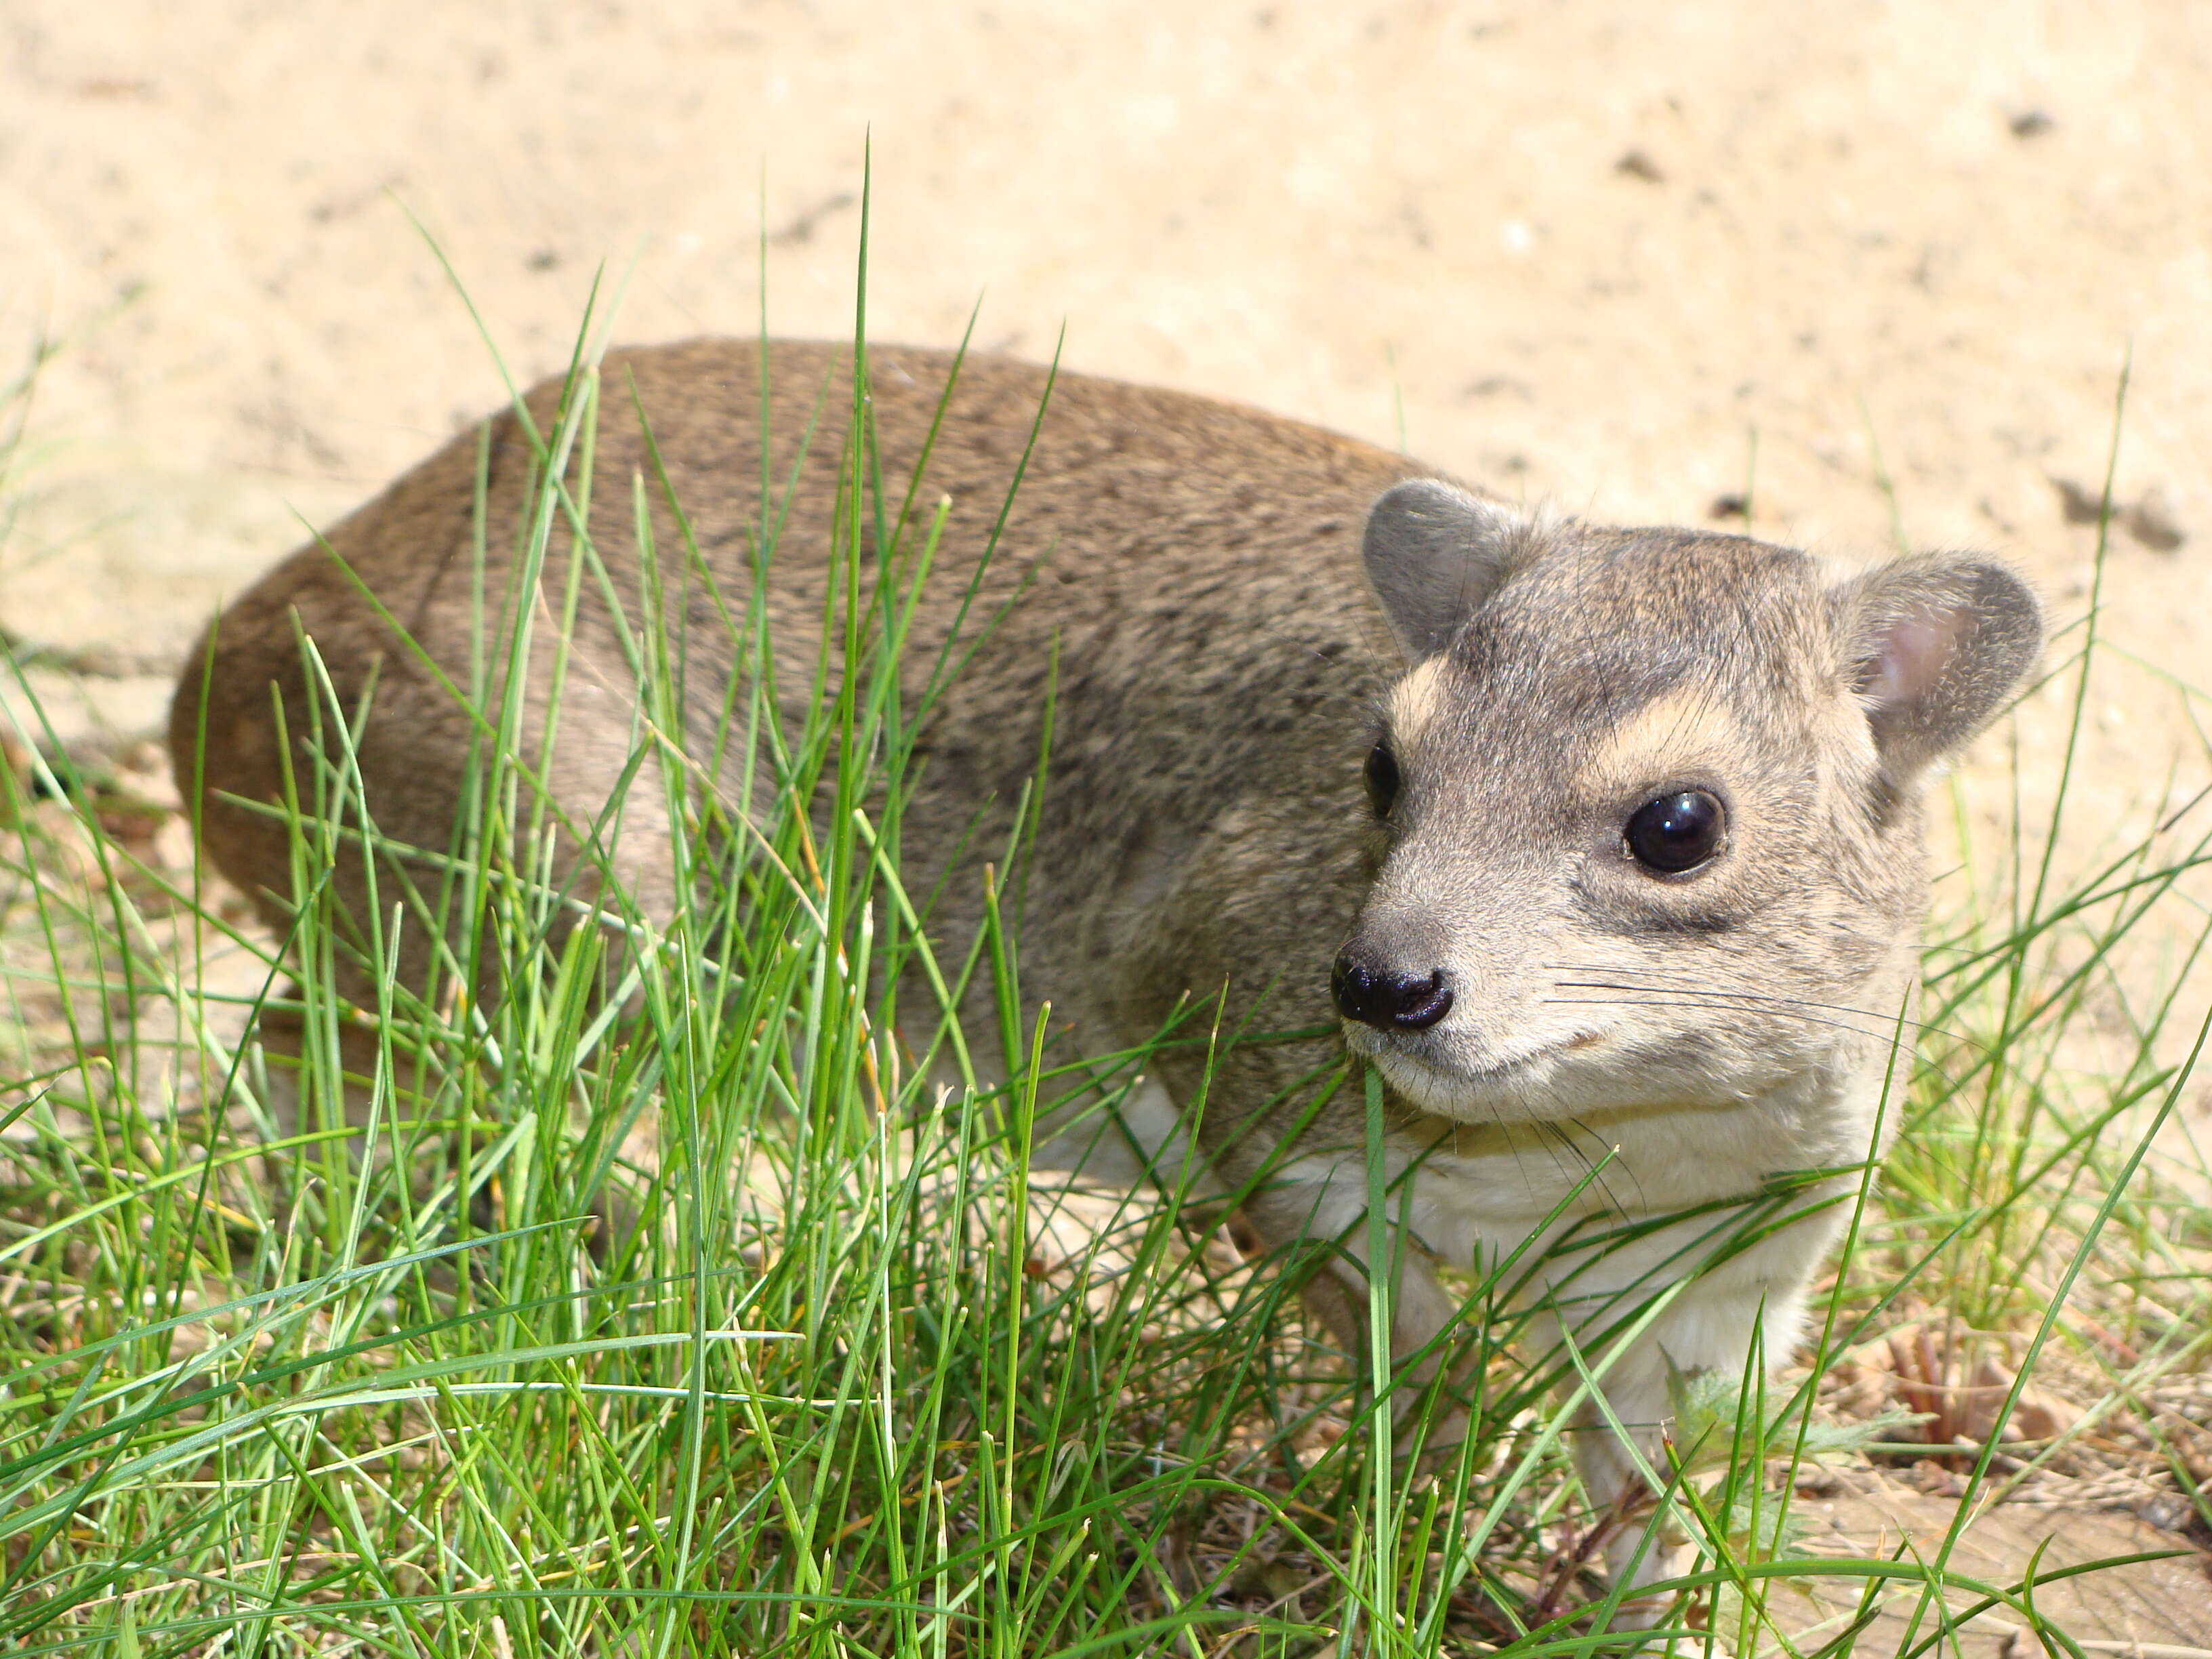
[1387,1001]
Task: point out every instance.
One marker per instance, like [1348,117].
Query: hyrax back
[1601,845]
[1193,562]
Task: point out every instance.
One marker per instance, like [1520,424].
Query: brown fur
[1188,558]
[1223,668]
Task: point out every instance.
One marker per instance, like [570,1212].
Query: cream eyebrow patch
[1681,730]
[1415,700]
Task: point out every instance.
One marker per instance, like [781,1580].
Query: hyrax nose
[1377,995]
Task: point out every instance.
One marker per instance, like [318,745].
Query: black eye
[1382,775]
[1676,832]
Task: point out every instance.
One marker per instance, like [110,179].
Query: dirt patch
[2162,1602]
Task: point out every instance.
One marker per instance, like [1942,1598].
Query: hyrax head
[1646,804]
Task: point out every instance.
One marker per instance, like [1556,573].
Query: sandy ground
[1878,266]
[1581,252]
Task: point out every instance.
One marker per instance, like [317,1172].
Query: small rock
[1639,164]
[1729,505]
[2169,1511]
[2079,505]
[1932,1477]
[2037,1414]
[2040,1415]
[104,662]
[2031,123]
[2152,521]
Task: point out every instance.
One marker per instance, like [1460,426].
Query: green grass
[670,1306]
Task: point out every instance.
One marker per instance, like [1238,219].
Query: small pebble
[2150,517]
[2079,505]
[2152,521]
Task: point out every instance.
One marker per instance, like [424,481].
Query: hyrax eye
[1676,833]
[1382,781]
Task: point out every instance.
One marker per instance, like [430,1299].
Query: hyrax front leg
[1421,1310]
[1738,1319]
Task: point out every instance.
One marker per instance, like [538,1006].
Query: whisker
[1667,999]
[1748,997]
[1685,987]
[1879,1017]
[1555,1142]
[1656,1000]
[1604,1177]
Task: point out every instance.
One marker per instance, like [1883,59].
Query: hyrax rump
[1591,841]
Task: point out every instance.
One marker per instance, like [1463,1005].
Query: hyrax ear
[1433,553]
[1937,643]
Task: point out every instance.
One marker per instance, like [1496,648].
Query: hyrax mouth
[1429,1074]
